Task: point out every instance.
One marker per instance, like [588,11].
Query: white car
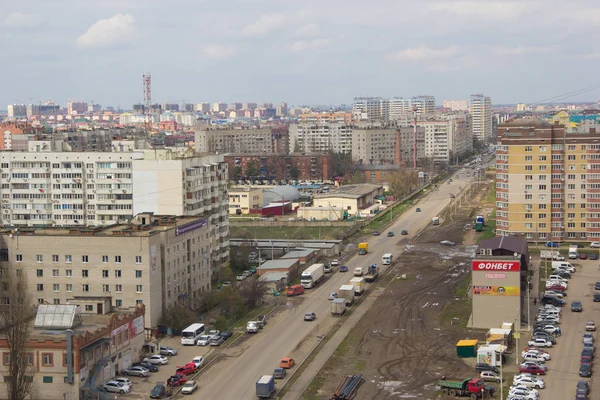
[523,391]
[595,244]
[156,359]
[533,357]
[115,387]
[335,263]
[539,342]
[521,397]
[529,382]
[332,296]
[123,381]
[203,340]
[548,318]
[189,387]
[240,277]
[198,361]
[536,352]
[213,333]
[550,329]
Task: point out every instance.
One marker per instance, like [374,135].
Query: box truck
[265,386]
[363,248]
[346,292]
[312,275]
[359,285]
[338,306]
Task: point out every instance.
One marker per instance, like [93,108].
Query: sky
[300,52]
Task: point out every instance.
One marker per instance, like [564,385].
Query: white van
[557,278]
[573,254]
[563,265]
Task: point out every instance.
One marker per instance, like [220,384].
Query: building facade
[480,108]
[456,105]
[17,111]
[233,140]
[242,200]
[326,117]
[320,137]
[296,166]
[374,145]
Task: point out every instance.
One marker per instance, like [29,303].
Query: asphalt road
[563,368]
[287,334]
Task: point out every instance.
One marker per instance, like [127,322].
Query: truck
[295,290]
[480,219]
[346,292]
[573,251]
[473,387]
[435,220]
[359,285]
[363,248]
[265,386]
[360,271]
[338,306]
[312,275]
[372,274]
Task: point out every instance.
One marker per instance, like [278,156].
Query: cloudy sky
[302,52]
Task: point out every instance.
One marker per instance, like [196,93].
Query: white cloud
[115,30]
[265,24]
[302,45]
[218,51]
[520,50]
[424,53]
[592,56]
[308,30]
[19,19]
[479,8]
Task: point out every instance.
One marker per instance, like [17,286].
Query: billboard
[496,290]
[485,265]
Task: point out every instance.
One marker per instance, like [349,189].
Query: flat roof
[297,253]
[278,264]
[273,276]
[351,191]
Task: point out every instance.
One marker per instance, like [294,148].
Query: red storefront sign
[495,265]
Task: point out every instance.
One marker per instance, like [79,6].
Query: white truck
[359,285]
[346,292]
[573,253]
[312,275]
[338,306]
[360,271]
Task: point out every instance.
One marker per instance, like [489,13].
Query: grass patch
[313,389]
[384,219]
[290,232]
[490,229]
[343,348]
[360,366]
[491,197]
[458,312]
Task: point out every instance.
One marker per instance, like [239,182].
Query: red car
[583,256]
[187,369]
[557,287]
[176,380]
[532,369]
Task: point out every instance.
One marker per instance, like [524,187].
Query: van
[563,265]
[295,290]
[573,254]
[553,313]
[359,271]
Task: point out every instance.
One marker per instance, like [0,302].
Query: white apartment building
[480,108]
[157,261]
[211,139]
[456,105]
[182,118]
[397,108]
[400,108]
[447,136]
[17,110]
[374,145]
[423,104]
[371,108]
[320,138]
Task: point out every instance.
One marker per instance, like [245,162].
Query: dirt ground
[407,340]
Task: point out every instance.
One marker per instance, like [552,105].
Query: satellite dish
[516,254]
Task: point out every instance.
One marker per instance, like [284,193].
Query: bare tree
[403,181]
[253,291]
[16,313]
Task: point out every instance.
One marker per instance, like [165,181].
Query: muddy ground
[407,340]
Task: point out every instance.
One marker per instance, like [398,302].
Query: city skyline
[308,53]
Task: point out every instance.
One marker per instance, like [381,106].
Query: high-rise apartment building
[423,104]
[371,108]
[203,107]
[480,108]
[374,145]
[212,139]
[447,136]
[219,107]
[42,109]
[77,107]
[456,105]
[17,110]
[547,182]
[250,106]
[397,108]
[282,109]
[320,137]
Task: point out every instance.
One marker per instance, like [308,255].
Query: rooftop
[505,243]
[351,191]
[273,276]
[278,264]
[298,253]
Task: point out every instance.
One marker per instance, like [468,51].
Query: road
[288,335]
[563,368]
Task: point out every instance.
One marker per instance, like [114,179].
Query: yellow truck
[363,248]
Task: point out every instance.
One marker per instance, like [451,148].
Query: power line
[554,99]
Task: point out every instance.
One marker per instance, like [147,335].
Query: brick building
[310,166]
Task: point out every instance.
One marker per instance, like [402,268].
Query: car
[452,196]
[123,381]
[240,277]
[213,333]
[489,376]
[589,346]
[450,180]
[167,351]
[418,209]
[189,387]
[391,234]
[585,370]
[136,371]
[148,366]
[532,382]
[344,268]
[197,361]
[203,340]
[583,256]
[157,359]
[479,367]
[520,394]
[544,335]
[576,306]
[404,232]
[335,263]
[523,390]
[310,316]
[186,369]
[590,326]
[539,342]
[376,233]
[562,273]
[558,257]
[447,243]
[532,369]
[332,296]
[596,297]
[597,286]
[548,319]
[551,244]
[216,340]
[583,387]
[557,293]
[287,362]
[588,337]
[586,359]
[176,380]
[279,373]
[539,364]
[537,352]
[160,390]
[595,245]
[534,357]
[587,352]
[593,256]
[226,334]
[115,387]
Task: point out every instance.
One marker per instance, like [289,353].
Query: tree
[294,173]
[342,164]
[16,312]
[403,181]
[356,178]
[177,317]
[236,173]
[253,291]
[252,169]
[230,302]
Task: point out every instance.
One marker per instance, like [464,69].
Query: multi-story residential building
[326,117]
[321,137]
[405,146]
[212,139]
[282,109]
[250,106]
[297,166]
[397,108]
[235,106]
[17,110]
[447,136]
[374,145]
[456,105]
[42,109]
[174,107]
[423,104]
[480,108]
[203,107]
[400,108]
[12,131]
[547,182]
[219,107]
[100,347]
[157,261]
[371,108]
[77,107]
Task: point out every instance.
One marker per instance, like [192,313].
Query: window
[528,148]
[118,303]
[40,287]
[48,360]
[84,273]
[118,259]
[118,288]
[85,287]
[138,288]
[55,272]
[47,379]
[39,273]
[55,258]
[41,301]
[56,287]
[84,259]
[56,301]
[105,273]
[106,288]
[89,307]
[138,273]
[139,302]
[104,259]
[39,258]
[68,259]
[528,216]
[117,273]
[69,287]
[69,272]
[5,358]
[28,357]
[529,168]
[528,158]
[19,257]
[138,259]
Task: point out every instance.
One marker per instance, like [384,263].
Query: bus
[387,258]
[191,334]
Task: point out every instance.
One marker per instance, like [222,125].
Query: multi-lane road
[287,334]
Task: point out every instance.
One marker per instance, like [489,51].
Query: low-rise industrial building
[290,266]
[244,199]
[321,213]
[351,198]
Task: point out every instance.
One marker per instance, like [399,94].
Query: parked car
[418,209]
[167,351]
[376,233]
[587,352]
[123,381]
[279,373]
[597,286]
[197,361]
[583,386]
[136,371]
[593,256]
[176,380]
[203,340]
[583,256]
[480,367]
[213,333]
[596,297]
[590,326]
[226,334]
[585,370]
[148,366]
[343,268]
[310,316]
[160,390]
[332,296]
[216,341]
[115,387]
[536,363]
[595,245]
[537,352]
[551,244]
[539,342]
[186,369]
[489,376]
[447,243]
[189,387]
[287,363]
[588,337]
[532,382]
[157,359]
[532,369]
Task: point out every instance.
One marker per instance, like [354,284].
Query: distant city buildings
[222,140]
[324,137]
[457,105]
[17,110]
[278,167]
